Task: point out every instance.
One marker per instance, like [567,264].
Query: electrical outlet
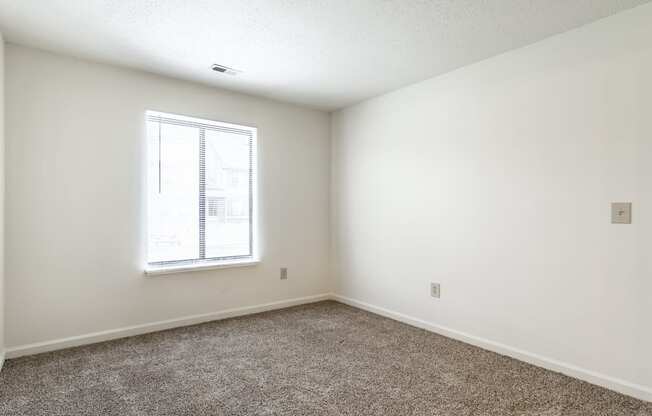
[284,273]
[435,290]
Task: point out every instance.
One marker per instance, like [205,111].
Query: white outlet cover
[435,290]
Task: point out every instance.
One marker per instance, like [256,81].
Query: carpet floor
[319,359]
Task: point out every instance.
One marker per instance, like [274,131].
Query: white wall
[2,204]
[75,208]
[496,180]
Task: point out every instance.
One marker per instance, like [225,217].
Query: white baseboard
[2,359]
[58,344]
[622,386]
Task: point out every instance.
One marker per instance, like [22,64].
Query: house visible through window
[201,191]
[216,207]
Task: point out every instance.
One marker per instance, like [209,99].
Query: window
[201,192]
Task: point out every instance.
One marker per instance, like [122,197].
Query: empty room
[334,207]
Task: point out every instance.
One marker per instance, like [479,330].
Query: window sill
[153,271]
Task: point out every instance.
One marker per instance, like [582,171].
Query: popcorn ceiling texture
[325,54]
[319,359]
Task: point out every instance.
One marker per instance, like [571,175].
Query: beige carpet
[320,359]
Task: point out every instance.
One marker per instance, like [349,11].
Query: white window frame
[205,264]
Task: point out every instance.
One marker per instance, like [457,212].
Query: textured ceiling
[321,53]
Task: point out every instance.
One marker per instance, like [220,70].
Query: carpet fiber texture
[319,359]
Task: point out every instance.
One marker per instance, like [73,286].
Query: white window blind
[201,191]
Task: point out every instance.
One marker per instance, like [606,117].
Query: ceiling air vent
[225,70]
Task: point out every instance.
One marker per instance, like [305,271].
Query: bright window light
[201,189]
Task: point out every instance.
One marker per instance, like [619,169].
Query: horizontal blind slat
[214,127]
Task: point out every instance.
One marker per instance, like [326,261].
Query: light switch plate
[621,212]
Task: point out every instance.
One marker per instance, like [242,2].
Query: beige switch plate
[621,212]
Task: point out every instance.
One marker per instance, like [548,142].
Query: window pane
[227,194]
[173,193]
